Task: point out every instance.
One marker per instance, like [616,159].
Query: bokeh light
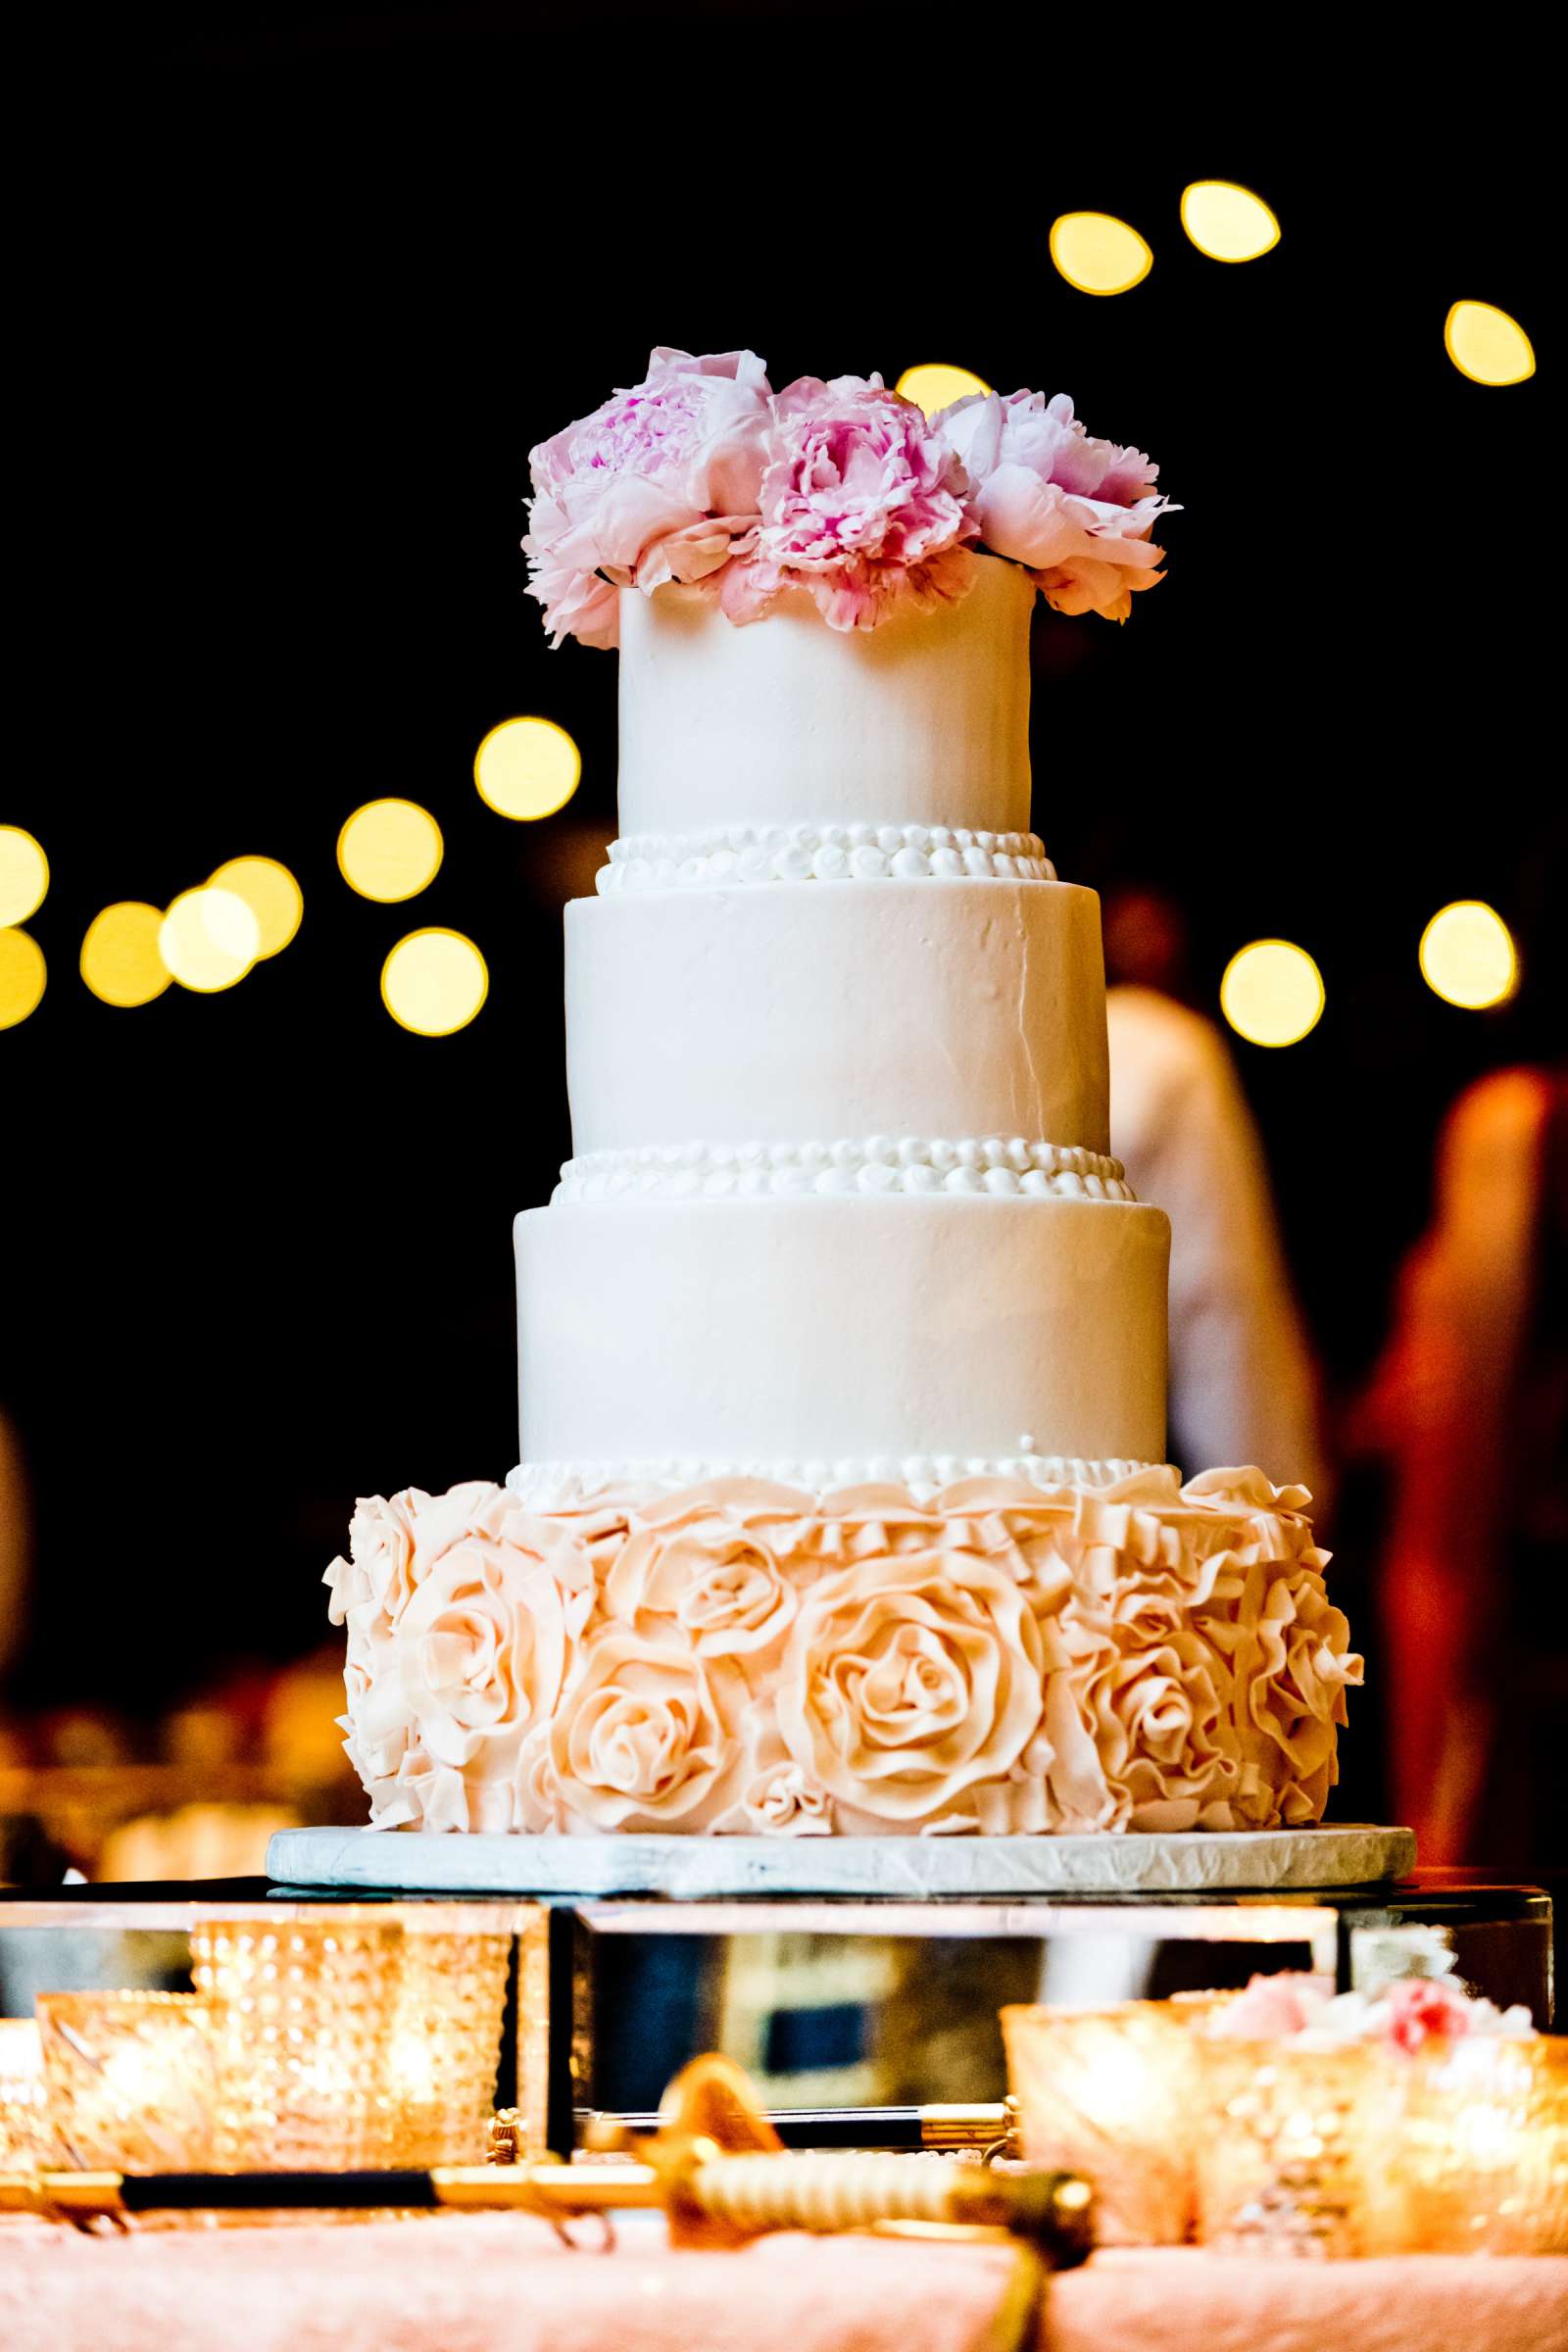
[1468,955]
[1228,223]
[1486,345]
[526,767]
[209,939]
[434,982]
[272,894]
[389,850]
[23,975]
[121,958]
[933,387]
[24,875]
[1099,254]
[1272,992]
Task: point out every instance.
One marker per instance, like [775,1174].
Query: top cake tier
[922,721]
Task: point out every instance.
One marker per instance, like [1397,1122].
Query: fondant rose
[704,1563]
[1158,1722]
[377,1572]
[647,1734]
[483,1647]
[1295,1672]
[1075,510]
[463,1613]
[862,506]
[659,483]
[907,1679]
[780,1802]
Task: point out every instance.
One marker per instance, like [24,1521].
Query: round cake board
[914,1869]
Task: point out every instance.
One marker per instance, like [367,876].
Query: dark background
[297,293]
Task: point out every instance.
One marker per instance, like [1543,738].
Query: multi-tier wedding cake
[843,1503]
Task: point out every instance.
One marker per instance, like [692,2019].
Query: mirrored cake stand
[605,1926]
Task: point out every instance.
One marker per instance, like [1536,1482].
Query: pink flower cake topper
[703,477]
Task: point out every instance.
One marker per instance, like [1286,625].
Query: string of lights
[435,980]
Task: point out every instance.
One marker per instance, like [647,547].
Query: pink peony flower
[1076,511]
[659,483]
[1273,2008]
[1419,2008]
[863,507]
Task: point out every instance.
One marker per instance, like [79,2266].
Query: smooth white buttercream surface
[800,1013]
[817,1329]
[925,721]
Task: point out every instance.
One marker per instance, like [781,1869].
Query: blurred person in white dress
[1244,1385]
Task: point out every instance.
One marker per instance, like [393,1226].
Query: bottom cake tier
[739,1657]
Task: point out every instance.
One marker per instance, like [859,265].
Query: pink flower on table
[1421,2008]
[1075,510]
[863,507]
[1273,2008]
[659,483]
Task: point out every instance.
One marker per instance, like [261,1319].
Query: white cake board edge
[693,1869]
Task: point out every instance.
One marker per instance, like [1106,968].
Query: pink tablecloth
[493,2284]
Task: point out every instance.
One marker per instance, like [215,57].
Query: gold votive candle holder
[1278,2166]
[23,2115]
[444,2044]
[304,2018]
[1110,2094]
[130,2080]
[1474,2157]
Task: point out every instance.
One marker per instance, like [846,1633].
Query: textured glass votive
[444,2044]
[304,2022]
[130,2080]
[23,2118]
[1475,2155]
[1108,2092]
[1281,2129]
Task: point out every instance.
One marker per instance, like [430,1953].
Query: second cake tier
[802,1009]
[844,1338]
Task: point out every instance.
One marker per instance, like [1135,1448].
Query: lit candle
[129,2078]
[1476,2152]
[1278,2150]
[22,2125]
[1108,2092]
[446,2044]
[303,2014]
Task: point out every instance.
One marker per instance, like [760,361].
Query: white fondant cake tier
[819,1328]
[922,721]
[990,1167]
[797,1012]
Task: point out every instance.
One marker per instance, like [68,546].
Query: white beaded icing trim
[875,1166]
[560,1485]
[733,853]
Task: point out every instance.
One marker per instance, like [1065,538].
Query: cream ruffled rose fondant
[746,1657]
